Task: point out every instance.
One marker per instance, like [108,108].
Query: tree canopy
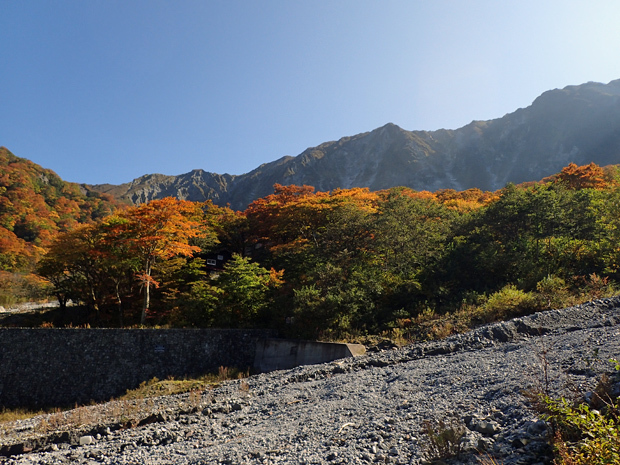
[350,261]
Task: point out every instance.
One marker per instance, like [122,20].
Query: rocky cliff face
[579,124]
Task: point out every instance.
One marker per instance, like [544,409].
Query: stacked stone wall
[58,367]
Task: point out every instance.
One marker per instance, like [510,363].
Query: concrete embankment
[58,367]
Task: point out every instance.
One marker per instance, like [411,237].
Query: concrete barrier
[281,354]
[57,367]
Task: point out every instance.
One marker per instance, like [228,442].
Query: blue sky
[104,91]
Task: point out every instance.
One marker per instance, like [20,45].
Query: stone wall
[57,367]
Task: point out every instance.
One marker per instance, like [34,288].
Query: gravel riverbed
[368,409]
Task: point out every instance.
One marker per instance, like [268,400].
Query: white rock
[86,440]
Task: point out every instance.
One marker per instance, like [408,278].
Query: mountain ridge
[579,123]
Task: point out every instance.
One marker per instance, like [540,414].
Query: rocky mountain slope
[579,124]
[368,409]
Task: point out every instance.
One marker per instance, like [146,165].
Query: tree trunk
[120,304]
[62,301]
[147,300]
[147,292]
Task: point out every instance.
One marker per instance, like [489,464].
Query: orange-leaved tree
[582,177]
[268,216]
[157,230]
[293,216]
[465,201]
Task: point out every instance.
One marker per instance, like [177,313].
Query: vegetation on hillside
[35,206]
[347,263]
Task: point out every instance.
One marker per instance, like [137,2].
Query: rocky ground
[370,409]
[27,307]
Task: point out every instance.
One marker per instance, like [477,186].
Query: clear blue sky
[104,91]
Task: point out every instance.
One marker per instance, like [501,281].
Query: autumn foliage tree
[158,230]
[98,263]
[270,217]
[576,177]
[72,266]
[294,217]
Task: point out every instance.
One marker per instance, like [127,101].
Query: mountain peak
[391,126]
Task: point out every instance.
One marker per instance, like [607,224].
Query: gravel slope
[370,409]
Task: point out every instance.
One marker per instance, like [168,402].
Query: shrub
[507,303]
[553,292]
[585,435]
[596,287]
[444,439]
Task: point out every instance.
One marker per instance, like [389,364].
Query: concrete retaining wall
[55,367]
[58,367]
[279,354]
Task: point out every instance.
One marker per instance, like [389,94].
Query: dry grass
[7,415]
[167,387]
[156,387]
[503,305]
[486,459]
[125,411]
[444,439]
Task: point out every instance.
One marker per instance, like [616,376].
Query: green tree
[246,291]
[411,237]
[528,234]
[341,301]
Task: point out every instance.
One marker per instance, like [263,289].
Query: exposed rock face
[367,409]
[579,124]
